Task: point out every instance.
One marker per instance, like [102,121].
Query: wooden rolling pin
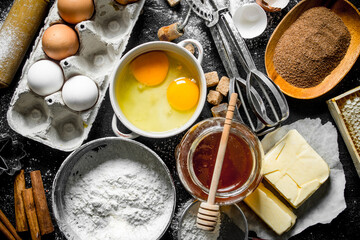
[16,34]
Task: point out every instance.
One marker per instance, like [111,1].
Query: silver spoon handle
[238,41]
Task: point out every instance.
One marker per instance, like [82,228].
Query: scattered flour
[117,199]
[3,15]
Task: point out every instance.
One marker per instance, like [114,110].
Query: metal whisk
[265,106]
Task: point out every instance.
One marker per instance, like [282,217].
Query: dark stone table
[157,13]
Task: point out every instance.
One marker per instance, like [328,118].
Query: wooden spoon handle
[222,148]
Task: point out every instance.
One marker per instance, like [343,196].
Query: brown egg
[125,2]
[60,41]
[75,11]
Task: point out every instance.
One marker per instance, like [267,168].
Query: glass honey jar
[241,170]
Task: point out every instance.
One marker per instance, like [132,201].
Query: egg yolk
[150,68]
[182,94]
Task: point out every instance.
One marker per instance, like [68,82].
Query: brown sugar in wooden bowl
[351,18]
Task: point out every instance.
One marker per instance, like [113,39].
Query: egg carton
[345,109]
[103,39]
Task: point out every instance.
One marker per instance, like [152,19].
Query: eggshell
[272,5]
[60,41]
[75,11]
[250,20]
[45,77]
[80,93]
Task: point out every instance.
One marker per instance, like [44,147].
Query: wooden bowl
[349,15]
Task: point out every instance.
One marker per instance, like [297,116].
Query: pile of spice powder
[311,47]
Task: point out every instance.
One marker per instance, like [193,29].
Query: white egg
[80,93]
[45,77]
[250,20]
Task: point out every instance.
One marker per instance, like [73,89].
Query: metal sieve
[128,149]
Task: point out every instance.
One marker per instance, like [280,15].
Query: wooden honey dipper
[208,213]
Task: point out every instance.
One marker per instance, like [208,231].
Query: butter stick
[270,209]
[294,169]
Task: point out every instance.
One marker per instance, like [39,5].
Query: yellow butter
[270,209]
[294,169]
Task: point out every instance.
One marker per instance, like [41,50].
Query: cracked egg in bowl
[158,90]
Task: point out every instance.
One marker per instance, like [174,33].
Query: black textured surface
[157,13]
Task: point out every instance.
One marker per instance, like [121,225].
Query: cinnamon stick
[29,205]
[42,209]
[5,221]
[6,232]
[20,216]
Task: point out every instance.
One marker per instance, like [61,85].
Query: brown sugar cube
[238,103]
[223,86]
[173,3]
[212,79]
[214,97]
[219,110]
[190,48]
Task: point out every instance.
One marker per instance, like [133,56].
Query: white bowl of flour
[113,188]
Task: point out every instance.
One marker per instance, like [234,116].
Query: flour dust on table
[117,199]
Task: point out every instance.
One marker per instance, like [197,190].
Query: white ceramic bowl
[153,46]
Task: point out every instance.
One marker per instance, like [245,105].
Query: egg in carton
[103,38]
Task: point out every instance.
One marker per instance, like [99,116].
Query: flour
[231,224]
[189,230]
[185,228]
[118,198]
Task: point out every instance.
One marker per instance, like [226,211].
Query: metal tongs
[266,106]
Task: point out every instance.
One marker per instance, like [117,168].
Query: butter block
[270,209]
[294,168]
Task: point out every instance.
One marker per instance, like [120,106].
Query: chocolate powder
[311,47]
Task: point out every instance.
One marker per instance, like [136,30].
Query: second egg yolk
[182,94]
[150,68]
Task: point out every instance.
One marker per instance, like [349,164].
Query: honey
[196,156]
[237,165]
